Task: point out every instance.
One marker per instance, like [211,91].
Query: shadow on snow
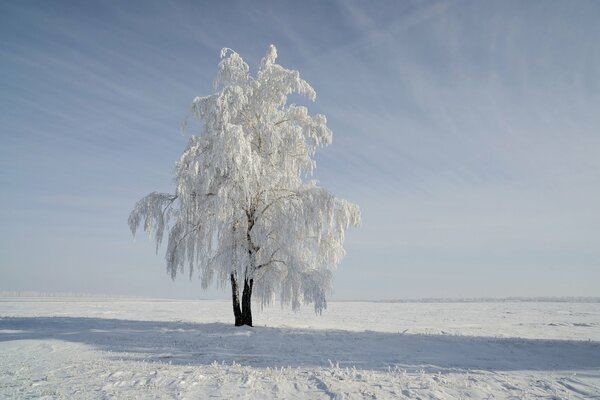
[199,344]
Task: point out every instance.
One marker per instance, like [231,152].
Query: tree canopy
[244,204]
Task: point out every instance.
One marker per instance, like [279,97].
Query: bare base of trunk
[243,314]
[247,302]
[237,311]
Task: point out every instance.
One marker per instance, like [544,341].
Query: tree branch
[292,195]
[169,205]
[271,260]
[195,228]
[281,122]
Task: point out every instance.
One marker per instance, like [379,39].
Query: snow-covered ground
[121,348]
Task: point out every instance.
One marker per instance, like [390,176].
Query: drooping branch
[271,260]
[152,210]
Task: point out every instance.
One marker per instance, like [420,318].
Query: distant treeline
[547,299]
[12,293]
[544,299]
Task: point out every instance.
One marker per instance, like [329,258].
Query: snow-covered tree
[244,210]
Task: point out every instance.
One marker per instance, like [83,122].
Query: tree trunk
[243,315]
[247,293]
[235,295]
[247,302]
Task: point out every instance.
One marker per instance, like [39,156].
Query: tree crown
[243,203]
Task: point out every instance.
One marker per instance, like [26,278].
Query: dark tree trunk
[235,295]
[243,315]
[247,302]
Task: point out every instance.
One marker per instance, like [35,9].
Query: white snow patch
[175,349]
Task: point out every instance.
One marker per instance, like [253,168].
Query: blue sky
[468,132]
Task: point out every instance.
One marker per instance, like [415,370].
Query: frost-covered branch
[152,209]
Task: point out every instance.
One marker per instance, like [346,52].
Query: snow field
[96,349]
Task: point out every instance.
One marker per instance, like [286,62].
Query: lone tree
[243,210]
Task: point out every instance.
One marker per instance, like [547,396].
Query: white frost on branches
[241,204]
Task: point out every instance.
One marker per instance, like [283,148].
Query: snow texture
[103,348]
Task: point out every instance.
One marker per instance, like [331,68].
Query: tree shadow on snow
[200,344]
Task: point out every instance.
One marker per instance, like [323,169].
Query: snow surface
[103,348]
